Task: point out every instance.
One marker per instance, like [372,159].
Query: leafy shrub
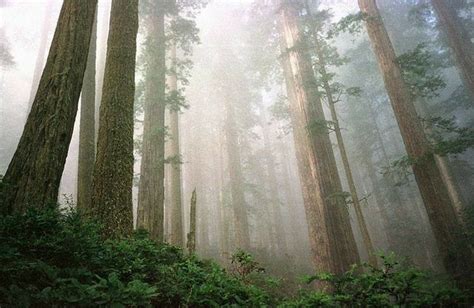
[49,257]
[392,285]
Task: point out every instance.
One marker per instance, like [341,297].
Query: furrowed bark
[113,171]
[151,188]
[33,176]
[331,238]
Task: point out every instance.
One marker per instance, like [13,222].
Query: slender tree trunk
[239,203]
[175,172]
[191,243]
[151,188]
[350,180]
[347,169]
[113,171]
[331,238]
[87,127]
[223,209]
[459,41]
[446,228]
[40,58]
[34,173]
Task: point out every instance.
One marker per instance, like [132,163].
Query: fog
[236,135]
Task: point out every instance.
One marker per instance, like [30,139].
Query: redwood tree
[448,232]
[176,236]
[331,238]
[113,171]
[151,187]
[87,128]
[34,173]
[459,41]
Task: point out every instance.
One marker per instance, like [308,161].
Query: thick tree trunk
[340,142]
[239,204]
[113,171]
[276,210]
[331,238]
[345,162]
[87,128]
[151,188]
[446,228]
[459,40]
[34,173]
[175,172]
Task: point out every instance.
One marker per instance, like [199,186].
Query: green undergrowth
[54,259]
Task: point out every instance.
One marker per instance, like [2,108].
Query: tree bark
[191,243]
[34,173]
[331,238]
[175,172]
[151,188]
[275,204]
[239,203]
[459,41]
[340,142]
[87,128]
[369,247]
[113,171]
[446,228]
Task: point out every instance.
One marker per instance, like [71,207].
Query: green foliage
[319,126]
[421,72]
[244,265]
[447,137]
[352,24]
[176,101]
[394,284]
[53,258]
[174,160]
[400,170]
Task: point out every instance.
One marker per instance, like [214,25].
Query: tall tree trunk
[290,198]
[369,247]
[345,162]
[191,242]
[448,232]
[340,142]
[445,170]
[459,40]
[151,188]
[331,238]
[239,204]
[175,172]
[276,210]
[34,173]
[113,171]
[40,57]
[87,127]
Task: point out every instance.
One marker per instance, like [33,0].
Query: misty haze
[236,153]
